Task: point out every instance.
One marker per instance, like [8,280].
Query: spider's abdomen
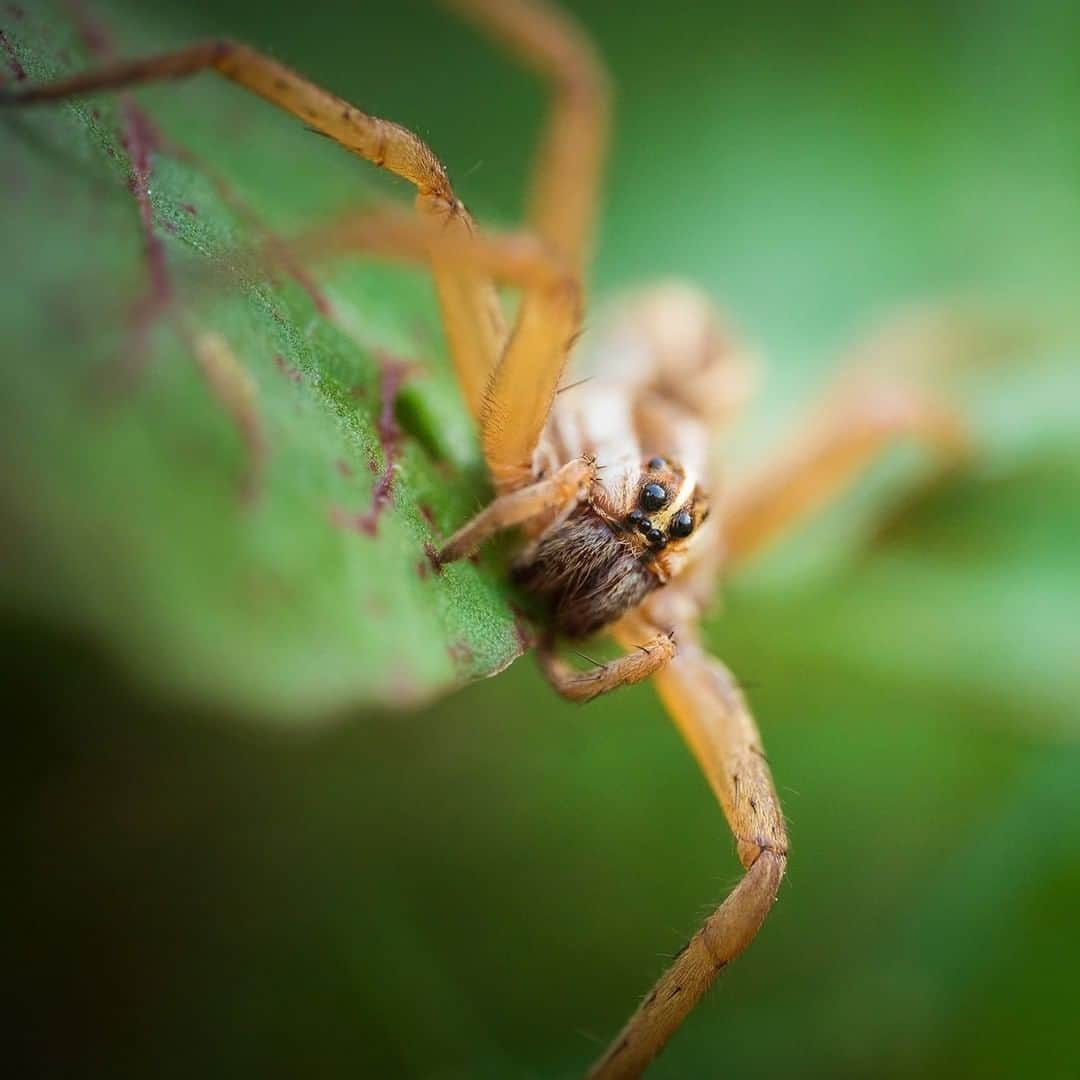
[585,574]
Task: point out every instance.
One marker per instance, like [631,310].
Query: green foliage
[258,563]
[485,887]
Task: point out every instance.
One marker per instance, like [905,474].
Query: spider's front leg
[702,697]
[471,313]
[555,495]
[635,666]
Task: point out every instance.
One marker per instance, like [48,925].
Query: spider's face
[603,560]
[668,509]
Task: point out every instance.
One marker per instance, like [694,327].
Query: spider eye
[682,524]
[654,536]
[636,517]
[656,463]
[653,496]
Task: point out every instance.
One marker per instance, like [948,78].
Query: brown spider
[612,483]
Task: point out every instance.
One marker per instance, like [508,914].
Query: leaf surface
[231,479]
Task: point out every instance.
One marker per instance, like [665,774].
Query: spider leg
[705,703]
[887,393]
[382,142]
[519,393]
[562,206]
[471,312]
[852,429]
[522,388]
[525,504]
[581,686]
[512,400]
[570,160]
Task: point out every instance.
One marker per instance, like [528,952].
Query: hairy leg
[471,313]
[635,666]
[570,162]
[549,496]
[702,698]
[830,452]
[519,393]
[381,142]
[562,208]
[522,389]
[867,415]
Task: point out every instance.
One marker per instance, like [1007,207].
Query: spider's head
[633,535]
[668,508]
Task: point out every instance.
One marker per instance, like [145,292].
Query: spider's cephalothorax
[629,536]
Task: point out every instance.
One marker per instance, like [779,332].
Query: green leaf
[266,903]
[267,556]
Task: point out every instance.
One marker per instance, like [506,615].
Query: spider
[613,483]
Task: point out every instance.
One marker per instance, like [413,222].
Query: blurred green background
[485,887]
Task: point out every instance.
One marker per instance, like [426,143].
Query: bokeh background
[485,887]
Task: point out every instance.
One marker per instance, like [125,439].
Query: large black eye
[653,496]
[682,524]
